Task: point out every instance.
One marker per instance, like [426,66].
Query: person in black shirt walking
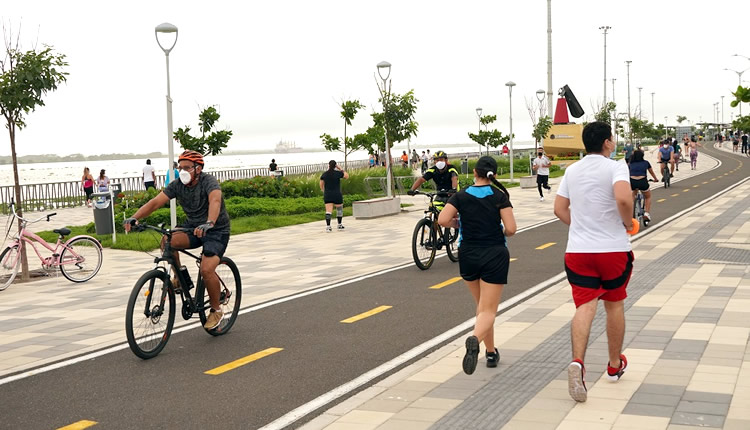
[330,184]
[485,219]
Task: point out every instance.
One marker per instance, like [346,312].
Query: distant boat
[284,147]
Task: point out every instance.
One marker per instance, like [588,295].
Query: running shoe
[576,384]
[541,198]
[213,319]
[329,229]
[472,354]
[341,226]
[646,216]
[492,358]
[615,373]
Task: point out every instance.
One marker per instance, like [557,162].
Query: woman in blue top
[638,167]
[486,218]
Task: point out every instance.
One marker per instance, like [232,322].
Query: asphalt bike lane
[305,349]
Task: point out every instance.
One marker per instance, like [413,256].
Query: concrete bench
[378,207]
[528,181]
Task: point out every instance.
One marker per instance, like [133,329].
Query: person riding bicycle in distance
[443,174]
[200,196]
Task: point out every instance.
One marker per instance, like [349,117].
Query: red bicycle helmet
[190,155]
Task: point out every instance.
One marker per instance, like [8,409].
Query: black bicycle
[429,237]
[665,175]
[150,314]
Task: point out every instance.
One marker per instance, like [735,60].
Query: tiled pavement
[47,320]
[688,324]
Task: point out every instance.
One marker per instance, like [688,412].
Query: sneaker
[472,354]
[492,358]
[213,320]
[341,226]
[646,216]
[576,384]
[614,374]
[176,284]
[328,229]
[541,198]
[548,189]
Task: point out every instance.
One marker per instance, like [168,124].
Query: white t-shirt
[148,173]
[595,223]
[540,162]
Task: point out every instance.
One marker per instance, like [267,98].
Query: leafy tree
[488,138]
[212,144]
[606,113]
[349,110]
[742,123]
[680,119]
[25,78]
[541,129]
[641,128]
[397,118]
[742,95]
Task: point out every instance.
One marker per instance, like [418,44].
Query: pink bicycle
[79,258]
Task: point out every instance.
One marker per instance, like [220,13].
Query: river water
[38,173]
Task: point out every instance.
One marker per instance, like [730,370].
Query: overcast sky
[277,70]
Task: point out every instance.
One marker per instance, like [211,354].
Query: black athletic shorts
[213,243]
[639,184]
[335,198]
[488,264]
[542,179]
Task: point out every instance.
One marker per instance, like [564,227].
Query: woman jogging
[330,184]
[87,182]
[486,218]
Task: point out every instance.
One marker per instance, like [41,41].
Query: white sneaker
[329,229]
[541,199]
[647,216]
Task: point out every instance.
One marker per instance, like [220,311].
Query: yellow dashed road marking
[660,200]
[79,425]
[675,195]
[364,315]
[446,283]
[546,245]
[242,361]
[513,259]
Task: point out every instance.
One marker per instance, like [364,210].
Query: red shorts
[599,276]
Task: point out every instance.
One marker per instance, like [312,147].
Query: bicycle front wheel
[230,297]
[81,259]
[451,243]
[424,244]
[638,209]
[10,261]
[149,317]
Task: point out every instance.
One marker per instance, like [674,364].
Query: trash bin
[103,213]
[116,190]
[465,166]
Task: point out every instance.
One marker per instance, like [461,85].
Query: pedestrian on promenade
[372,160]
[541,166]
[87,183]
[505,150]
[149,176]
[414,159]
[744,143]
[628,151]
[595,200]
[694,144]
[330,184]
[638,181]
[484,215]
[273,166]
[171,174]
[102,182]
[735,144]
[424,162]
[404,159]
[430,163]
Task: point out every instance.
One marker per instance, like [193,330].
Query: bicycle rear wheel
[450,235]
[81,259]
[638,209]
[231,295]
[149,317]
[10,261]
[424,244]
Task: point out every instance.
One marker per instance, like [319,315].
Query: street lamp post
[666,134]
[630,131]
[510,85]
[604,29]
[549,58]
[479,116]
[652,109]
[722,109]
[168,28]
[739,78]
[382,67]
[640,108]
[540,97]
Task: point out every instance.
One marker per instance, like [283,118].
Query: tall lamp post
[385,67]
[549,58]
[666,134]
[722,110]
[630,132]
[510,85]
[739,78]
[168,28]
[640,108]
[479,117]
[540,97]
[652,109]
[605,28]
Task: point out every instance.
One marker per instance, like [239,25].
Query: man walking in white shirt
[595,200]
[541,166]
[149,177]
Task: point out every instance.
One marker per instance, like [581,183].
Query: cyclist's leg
[647,198]
[214,245]
[180,240]
[671,166]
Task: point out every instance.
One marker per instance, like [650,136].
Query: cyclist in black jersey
[443,174]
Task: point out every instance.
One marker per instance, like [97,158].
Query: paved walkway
[688,324]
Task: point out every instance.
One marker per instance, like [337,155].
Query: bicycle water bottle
[186,277]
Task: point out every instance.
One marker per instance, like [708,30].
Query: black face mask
[539,154]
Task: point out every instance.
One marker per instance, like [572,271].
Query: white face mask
[440,165]
[185,177]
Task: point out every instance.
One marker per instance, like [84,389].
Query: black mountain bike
[428,236]
[665,174]
[150,314]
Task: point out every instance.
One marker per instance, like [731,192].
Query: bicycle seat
[62,231]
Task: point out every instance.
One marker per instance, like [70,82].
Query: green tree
[349,110]
[742,123]
[742,95]
[489,138]
[25,78]
[606,113]
[541,129]
[210,144]
[397,119]
[680,119]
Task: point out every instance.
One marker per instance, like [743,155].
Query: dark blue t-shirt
[639,168]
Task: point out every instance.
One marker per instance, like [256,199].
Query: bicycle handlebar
[13,210]
[160,228]
[440,193]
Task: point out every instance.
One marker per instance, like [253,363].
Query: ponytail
[489,174]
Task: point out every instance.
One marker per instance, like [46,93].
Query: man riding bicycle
[665,156]
[200,196]
[443,174]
